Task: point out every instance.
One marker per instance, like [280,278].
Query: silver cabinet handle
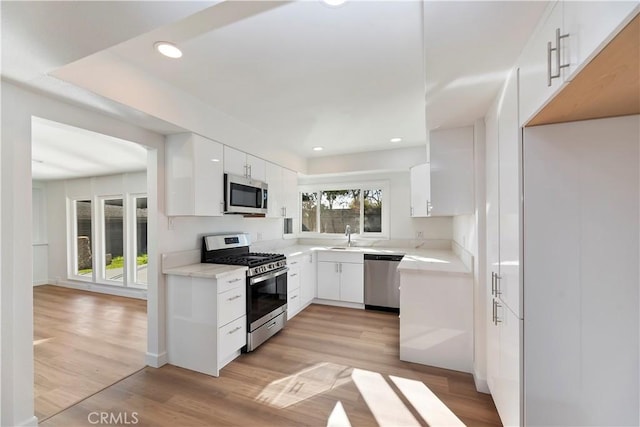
[294,274]
[337,267]
[250,171]
[234,280]
[272,325]
[493,283]
[498,278]
[234,330]
[294,297]
[246,170]
[221,206]
[234,297]
[496,306]
[294,262]
[559,64]
[340,267]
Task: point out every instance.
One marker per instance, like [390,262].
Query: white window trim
[72,240]
[99,262]
[132,240]
[362,185]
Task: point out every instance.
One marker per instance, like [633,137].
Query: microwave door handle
[259,279]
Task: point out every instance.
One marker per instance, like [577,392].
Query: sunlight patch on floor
[338,417]
[383,402]
[430,408]
[305,384]
[42,341]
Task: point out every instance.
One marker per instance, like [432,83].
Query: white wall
[469,232]
[39,239]
[16,293]
[401,225]
[87,188]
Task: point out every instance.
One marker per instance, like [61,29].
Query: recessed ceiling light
[168,49]
[397,139]
[318,148]
[215,160]
[334,3]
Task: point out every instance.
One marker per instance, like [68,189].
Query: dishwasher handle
[378,257]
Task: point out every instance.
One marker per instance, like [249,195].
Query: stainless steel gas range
[266,283]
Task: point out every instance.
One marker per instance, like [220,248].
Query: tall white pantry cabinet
[563,252]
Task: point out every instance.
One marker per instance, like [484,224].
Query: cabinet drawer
[293,303]
[231,281]
[293,278]
[294,261]
[341,256]
[231,338]
[232,304]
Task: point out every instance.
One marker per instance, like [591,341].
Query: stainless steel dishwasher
[381,282]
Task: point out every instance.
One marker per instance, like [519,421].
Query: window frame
[100,250]
[362,186]
[72,240]
[131,235]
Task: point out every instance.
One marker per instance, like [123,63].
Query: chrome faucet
[347,232]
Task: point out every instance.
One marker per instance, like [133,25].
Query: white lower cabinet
[206,321]
[293,287]
[341,276]
[308,279]
[436,320]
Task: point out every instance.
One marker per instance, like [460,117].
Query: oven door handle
[271,275]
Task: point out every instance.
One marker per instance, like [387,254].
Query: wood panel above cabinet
[608,86]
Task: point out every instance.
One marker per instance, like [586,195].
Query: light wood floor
[83,342]
[325,355]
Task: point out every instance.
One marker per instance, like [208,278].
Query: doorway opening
[90,262]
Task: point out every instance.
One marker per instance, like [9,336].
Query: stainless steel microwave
[244,195]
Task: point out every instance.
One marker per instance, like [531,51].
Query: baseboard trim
[30,422]
[41,282]
[481,384]
[338,303]
[102,289]
[157,360]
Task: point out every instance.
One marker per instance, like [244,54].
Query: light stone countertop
[206,271]
[425,260]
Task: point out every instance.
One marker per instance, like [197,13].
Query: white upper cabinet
[420,190]
[592,24]
[276,190]
[194,177]
[451,172]
[240,163]
[570,34]
[538,64]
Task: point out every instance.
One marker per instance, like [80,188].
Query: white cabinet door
[352,282]
[235,161]
[590,25]
[290,190]
[534,82]
[257,168]
[276,193]
[493,242]
[506,392]
[308,279]
[329,280]
[508,283]
[451,169]
[209,183]
[420,190]
[194,177]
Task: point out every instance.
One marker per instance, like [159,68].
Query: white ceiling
[61,152]
[300,74]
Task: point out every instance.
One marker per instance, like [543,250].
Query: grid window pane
[339,208]
[84,239]
[309,212]
[372,201]
[141,240]
[113,239]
